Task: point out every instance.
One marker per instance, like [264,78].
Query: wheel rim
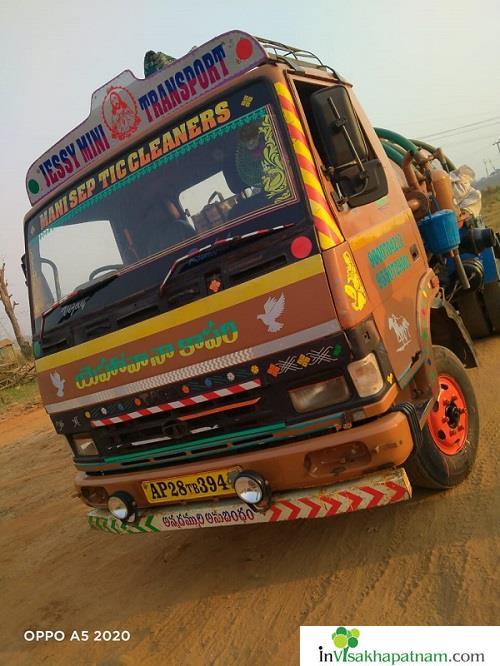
[448,421]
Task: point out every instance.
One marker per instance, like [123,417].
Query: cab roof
[127,106]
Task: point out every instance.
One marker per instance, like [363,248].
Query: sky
[418,68]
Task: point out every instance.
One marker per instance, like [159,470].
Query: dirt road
[236,595]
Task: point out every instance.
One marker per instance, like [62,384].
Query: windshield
[191,183]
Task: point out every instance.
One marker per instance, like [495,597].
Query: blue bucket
[440,231]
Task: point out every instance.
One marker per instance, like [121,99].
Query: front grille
[257,418]
[185,431]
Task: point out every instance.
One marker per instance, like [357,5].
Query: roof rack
[292,56]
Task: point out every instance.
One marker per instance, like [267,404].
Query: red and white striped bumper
[365,493]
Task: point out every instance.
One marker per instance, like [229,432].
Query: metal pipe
[409,172]
[459,267]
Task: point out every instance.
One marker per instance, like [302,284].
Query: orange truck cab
[231,303]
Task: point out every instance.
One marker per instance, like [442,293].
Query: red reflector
[244,49]
[301,247]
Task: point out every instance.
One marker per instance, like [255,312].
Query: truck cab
[232,304]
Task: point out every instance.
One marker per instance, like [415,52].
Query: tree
[9,305]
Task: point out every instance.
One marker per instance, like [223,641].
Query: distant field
[23,394]
[491,207]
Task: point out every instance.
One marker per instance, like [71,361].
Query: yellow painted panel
[310,179]
[283,277]
[291,119]
[378,230]
[281,89]
[301,149]
[325,241]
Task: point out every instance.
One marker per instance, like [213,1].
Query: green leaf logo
[344,639]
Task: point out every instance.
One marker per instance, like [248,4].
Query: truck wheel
[448,447]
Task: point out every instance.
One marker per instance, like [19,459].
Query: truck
[242,313]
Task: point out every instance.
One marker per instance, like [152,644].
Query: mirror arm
[358,194]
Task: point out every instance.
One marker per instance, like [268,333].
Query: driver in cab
[163,224]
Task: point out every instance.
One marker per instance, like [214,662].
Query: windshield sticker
[274,178]
[210,338]
[69,310]
[171,145]
[126,105]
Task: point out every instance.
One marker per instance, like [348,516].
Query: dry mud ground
[236,595]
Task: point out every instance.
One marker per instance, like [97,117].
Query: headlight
[366,376]
[253,489]
[248,488]
[122,506]
[322,394]
[84,445]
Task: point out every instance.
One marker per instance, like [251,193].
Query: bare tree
[9,305]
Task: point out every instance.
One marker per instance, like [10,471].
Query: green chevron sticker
[113,526]
[137,527]
[147,523]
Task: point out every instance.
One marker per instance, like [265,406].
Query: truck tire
[445,455]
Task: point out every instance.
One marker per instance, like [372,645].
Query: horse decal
[401,327]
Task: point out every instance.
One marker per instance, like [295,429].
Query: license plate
[191,486]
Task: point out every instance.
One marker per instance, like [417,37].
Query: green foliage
[490,211]
[25,394]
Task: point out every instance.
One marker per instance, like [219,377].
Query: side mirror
[354,169]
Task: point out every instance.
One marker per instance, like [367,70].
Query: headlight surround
[320,394]
[253,489]
[248,488]
[84,445]
[365,375]
[121,505]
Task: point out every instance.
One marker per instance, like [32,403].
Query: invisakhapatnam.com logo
[343,639]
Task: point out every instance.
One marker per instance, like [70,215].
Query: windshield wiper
[83,290]
[222,244]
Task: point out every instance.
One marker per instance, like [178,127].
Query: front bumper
[315,461]
[365,493]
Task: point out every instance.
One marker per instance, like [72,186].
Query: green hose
[396,145]
[397,148]
[396,138]
[432,149]
[392,153]
[400,150]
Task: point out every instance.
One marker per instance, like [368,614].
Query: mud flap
[491,296]
[448,330]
